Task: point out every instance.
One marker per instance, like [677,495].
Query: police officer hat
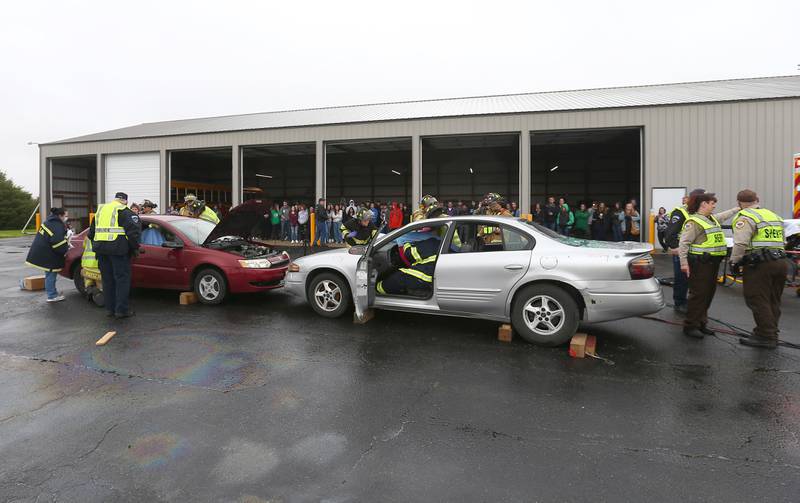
[121,196]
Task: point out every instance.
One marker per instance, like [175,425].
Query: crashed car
[184,253]
[543,283]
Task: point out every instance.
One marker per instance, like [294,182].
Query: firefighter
[185,210]
[425,204]
[701,249]
[115,236]
[90,271]
[415,263]
[359,230]
[198,209]
[680,283]
[48,249]
[758,253]
[493,204]
[148,207]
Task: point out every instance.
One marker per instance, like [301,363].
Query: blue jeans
[50,284]
[616,229]
[322,232]
[680,283]
[337,231]
[284,230]
[564,230]
[293,233]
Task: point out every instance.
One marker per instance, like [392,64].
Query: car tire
[545,315]
[98,298]
[77,279]
[329,295]
[210,286]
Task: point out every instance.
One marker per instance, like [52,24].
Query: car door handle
[513,267]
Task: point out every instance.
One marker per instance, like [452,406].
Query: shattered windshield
[556,236]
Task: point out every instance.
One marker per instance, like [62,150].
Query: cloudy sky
[77,67]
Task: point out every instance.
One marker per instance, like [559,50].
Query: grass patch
[11,234]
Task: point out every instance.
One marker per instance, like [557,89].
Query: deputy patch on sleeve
[135,218]
[740,224]
[675,219]
[689,225]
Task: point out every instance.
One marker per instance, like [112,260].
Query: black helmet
[363,214]
[428,201]
[434,211]
[492,198]
[149,204]
[197,205]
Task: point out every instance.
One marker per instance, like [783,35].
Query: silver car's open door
[366,278]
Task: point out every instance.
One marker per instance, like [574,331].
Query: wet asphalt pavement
[262,400]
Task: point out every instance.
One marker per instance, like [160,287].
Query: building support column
[319,160]
[525,171]
[164,190]
[416,171]
[100,176]
[236,175]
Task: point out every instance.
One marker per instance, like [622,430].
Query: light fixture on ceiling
[471,172]
[263,176]
[554,168]
[396,172]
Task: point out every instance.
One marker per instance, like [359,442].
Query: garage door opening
[586,166]
[279,173]
[73,186]
[368,172]
[204,173]
[465,168]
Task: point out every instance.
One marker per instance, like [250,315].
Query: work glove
[352,234]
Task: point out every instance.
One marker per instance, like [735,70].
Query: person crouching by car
[48,250]
[360,230]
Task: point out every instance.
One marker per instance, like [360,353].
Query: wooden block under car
[505,333]
[577,346]
[591,345]
[33,283]
[188,298]
[368,315]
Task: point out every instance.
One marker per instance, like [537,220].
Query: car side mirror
[172,244]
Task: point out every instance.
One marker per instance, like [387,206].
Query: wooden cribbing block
[591,345]
[368,315]
[104,339]
[505,333]
[33,283]
[188,298]
[577,346]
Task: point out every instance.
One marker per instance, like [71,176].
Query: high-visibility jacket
[49,246]
[493,234]
[714,243]
[363,235]
[420,258]
[209,215]
[107,222]
[769,228]
[88,259]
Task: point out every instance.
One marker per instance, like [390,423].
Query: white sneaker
[57,299]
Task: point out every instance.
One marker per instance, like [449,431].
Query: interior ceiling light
[396,172]
[263,176]
[470,171]
[554,168]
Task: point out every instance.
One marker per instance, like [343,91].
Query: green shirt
[275,217]
[581,220]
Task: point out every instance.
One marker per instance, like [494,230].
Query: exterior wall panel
[721,147]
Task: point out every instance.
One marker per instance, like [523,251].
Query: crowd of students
[598,221]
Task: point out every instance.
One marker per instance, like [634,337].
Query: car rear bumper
[243,280]
[645,297]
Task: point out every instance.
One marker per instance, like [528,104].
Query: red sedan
[183,253]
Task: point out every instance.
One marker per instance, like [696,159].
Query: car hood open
[241,221]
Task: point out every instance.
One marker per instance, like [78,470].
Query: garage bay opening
[204,173]
[73,186]
[368,172]
[464,168]
[587,166]
[279,173]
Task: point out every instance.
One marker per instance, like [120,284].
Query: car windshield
[195,229]
[554,235]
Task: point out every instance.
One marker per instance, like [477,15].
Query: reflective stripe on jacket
[209,215]
[107,224]
[769,228]
[715,238]
[88,259]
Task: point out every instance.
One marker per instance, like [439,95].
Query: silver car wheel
[544,315]
[209,287]
[328,295]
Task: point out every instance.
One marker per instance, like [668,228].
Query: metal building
[649,143]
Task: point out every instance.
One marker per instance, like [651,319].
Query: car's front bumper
[637,298]
[242,280]
[296,283]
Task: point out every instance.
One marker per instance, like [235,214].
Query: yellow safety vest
[715,238]
[88,259]
[769,228]
[209,215]
[106,226]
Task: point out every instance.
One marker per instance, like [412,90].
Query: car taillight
[642,267]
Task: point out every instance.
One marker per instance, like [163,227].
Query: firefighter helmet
[197,206]
[492,198]
[428,201]
[434,211]
[363,214]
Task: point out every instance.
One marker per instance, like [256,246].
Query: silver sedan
[495,268]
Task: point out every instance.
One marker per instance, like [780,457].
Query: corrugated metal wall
[721,147]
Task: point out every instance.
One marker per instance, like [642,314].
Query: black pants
[116,273]
[763,287]
[400,283]
[702,287]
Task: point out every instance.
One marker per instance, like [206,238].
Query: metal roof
[584,99]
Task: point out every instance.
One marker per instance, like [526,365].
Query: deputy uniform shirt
[743,233]
[672,235]
[693,234]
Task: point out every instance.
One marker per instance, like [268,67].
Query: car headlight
[259,263]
